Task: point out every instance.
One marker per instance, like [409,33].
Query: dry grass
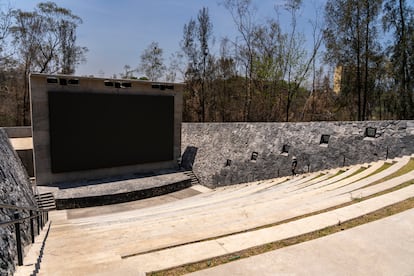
[382,168]
[338,173]
[360,170]
[405,169]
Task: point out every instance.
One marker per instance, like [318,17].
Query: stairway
[194,179]
[46,201]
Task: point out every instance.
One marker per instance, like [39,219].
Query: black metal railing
[42,216]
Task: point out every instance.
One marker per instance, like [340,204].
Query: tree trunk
[364,106]
[358,53]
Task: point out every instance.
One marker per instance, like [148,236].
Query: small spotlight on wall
[73,81]
[254,156]
[370,132]
[162,86]
[285,149]
[324,139]
[52,80]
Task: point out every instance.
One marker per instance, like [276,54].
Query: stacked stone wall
[221,153]
[15,189]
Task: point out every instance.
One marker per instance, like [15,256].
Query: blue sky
[117,32]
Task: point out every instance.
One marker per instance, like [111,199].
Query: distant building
[337,79]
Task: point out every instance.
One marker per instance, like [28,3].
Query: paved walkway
[21,143]
[384,247]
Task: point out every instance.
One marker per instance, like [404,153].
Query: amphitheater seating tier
[218,222]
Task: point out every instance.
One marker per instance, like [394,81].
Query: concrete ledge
[18,132]
[120,191]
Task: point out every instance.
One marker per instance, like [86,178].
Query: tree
[5,23]
[197,38]
[152,62]
[45,42]
[267,71]
[46,39]
[296,63]
[128,72]
[282,62]
[243,14]
[352,43]
[399,19]
[175,65]
[8,93]
[225,67]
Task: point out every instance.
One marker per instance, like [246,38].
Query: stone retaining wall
[15,189]
[222,153]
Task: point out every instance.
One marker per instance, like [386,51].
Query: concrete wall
[18,132]
[220,153]
[25,155]
[15,189]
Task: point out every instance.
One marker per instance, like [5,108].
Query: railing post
[41,220]
[18,240]
[38,221]
[31,226]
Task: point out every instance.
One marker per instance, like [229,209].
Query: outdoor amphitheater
[223,201]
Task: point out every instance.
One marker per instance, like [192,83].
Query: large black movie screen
[93,130]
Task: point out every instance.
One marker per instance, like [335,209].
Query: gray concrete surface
[383,247]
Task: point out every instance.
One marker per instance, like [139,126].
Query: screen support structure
[91,128]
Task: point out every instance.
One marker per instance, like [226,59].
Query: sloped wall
[15,189]
[222,152]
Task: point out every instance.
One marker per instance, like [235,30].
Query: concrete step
[193,209]
[362,250]
[178,228]
[257,212]
[197,251]
[46,201]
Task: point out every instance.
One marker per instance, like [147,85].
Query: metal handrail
[6,206]
[41,215]
[20,220]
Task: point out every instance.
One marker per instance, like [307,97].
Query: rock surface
[15,189]
[222,153]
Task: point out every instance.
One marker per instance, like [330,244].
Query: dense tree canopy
[42,41]
[343,70]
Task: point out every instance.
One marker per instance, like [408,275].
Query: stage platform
[116,189]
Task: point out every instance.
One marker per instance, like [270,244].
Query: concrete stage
[116,189]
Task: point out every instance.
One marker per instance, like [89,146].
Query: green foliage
[152,62]
[398,19]
[352,43]
[42,40]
